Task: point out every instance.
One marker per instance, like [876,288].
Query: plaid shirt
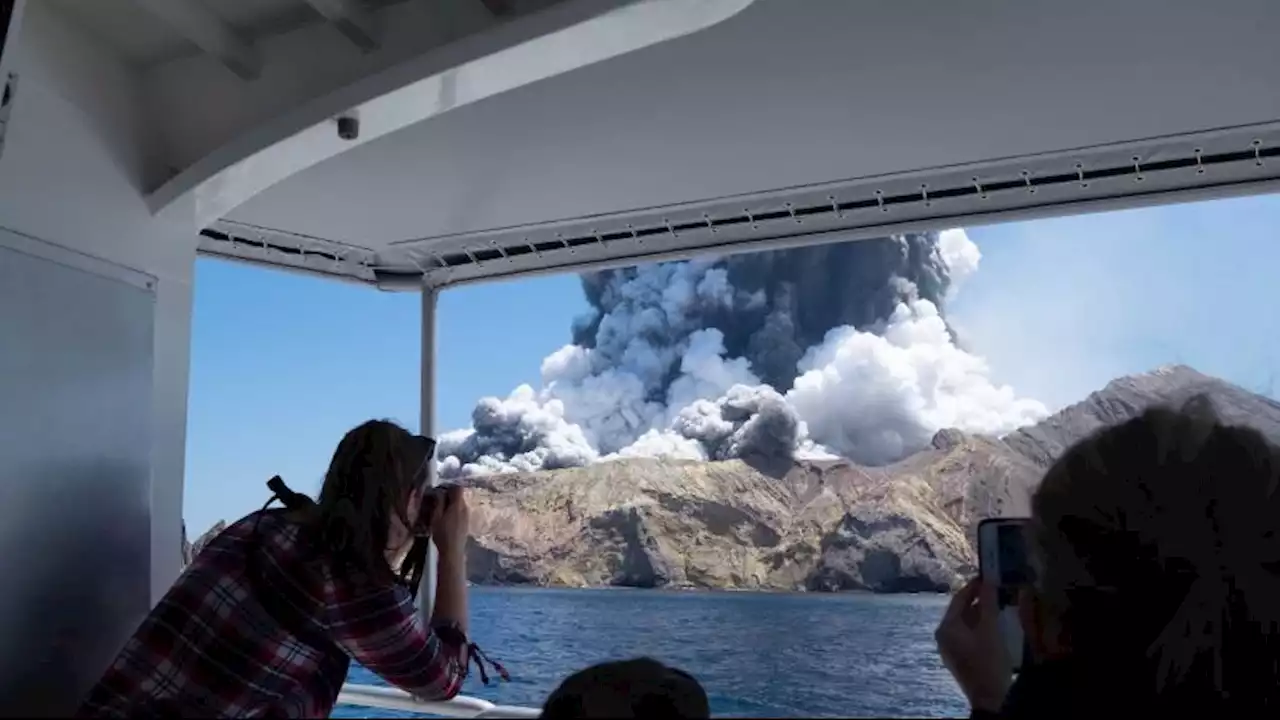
[216,645]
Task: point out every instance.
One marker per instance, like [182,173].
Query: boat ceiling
[798,122]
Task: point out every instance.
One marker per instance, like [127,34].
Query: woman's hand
[451,525]
[971,648]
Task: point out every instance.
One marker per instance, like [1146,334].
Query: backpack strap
[285,614]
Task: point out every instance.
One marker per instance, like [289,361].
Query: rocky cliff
[1128,396]
[823,526]
[828,525]
[191,549]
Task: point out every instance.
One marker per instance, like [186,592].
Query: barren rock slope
[828,525]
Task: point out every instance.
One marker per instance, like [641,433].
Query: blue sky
[282,364]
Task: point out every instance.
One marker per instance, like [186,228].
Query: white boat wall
[419,144]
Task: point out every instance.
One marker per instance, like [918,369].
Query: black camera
[435,496]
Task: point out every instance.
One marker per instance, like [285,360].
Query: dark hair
[374,470]
[1157,545]
[627,689]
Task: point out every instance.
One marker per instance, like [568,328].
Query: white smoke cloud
[877,396]
[656,381]
[960,255]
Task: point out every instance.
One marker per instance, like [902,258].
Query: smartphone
[1002,562]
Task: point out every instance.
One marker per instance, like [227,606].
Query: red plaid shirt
[213,648]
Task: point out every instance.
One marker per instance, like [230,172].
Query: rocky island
[808,525]
[832,525]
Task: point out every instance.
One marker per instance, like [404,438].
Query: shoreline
[704,590]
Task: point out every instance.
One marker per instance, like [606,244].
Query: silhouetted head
[369,504]
[628,689]
[1156,548]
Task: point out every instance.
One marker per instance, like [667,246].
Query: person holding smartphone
[1154,590]
[265,620]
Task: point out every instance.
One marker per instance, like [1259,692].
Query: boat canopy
[612,132]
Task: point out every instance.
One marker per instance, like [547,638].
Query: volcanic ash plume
[817,351]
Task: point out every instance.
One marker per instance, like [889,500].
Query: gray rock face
[490,567]
[1127,397]
[946,439]
[186,546]
[204,539]
[887,552]
[191,550]
[633,553]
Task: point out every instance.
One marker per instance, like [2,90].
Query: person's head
[1155,546]
[372,494]
[628,689]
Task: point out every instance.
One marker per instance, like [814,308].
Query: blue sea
[757,654]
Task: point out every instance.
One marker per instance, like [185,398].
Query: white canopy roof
[611,132]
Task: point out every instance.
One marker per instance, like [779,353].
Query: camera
[436,495]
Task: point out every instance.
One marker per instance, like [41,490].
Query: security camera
[348,127]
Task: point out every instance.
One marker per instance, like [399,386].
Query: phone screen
[1002,553]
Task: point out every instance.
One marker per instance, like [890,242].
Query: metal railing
[462,706]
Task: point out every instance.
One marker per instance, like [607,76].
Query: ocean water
[757,654]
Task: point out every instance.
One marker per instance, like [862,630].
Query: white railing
[462,706]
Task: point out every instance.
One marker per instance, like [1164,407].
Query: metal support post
[427,427]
